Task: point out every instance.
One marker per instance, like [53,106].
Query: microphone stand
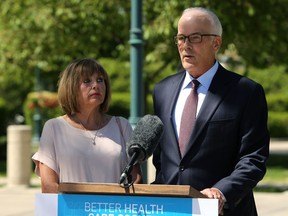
[126,177]
[127,182]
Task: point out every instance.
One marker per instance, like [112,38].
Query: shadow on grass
[278,165]
[278,160]
[2,168]
[271,188]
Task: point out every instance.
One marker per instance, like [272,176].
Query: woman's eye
[86,81]
[100,80]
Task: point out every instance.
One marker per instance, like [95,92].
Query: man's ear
[217,42]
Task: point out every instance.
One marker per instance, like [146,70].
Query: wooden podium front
[89,199]
[135,189]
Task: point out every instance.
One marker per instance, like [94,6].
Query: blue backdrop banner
[107,205]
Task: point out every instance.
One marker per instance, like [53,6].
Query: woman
[85,144]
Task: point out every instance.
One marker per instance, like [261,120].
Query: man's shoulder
[236,77]
[172,78]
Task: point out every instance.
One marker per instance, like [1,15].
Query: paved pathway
[272,204]
[16,201]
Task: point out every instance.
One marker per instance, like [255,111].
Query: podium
[90,199]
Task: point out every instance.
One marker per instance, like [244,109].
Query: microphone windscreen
[145,137]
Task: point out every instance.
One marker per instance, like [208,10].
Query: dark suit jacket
[229,145]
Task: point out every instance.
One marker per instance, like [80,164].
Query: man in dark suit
[226,152]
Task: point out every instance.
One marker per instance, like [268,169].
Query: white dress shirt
[205,81]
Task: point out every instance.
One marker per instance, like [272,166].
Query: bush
[278,124]
[3,117]
[47,104]
[3,130]
[40,106]
[120,105]
[278,115]
[277,102]
[3,148]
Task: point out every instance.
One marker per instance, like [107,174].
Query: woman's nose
[94,84]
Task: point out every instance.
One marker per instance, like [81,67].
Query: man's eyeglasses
[193,38]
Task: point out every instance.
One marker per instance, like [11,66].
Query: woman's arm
[49,179]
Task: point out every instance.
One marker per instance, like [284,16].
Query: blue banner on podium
[106,205]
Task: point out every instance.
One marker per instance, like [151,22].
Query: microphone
[142,142]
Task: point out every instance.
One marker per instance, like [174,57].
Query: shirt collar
[205,79]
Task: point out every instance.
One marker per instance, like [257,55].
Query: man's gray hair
[211,16]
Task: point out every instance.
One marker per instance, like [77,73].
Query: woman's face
[92,91]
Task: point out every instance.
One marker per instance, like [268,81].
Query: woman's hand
[137,174]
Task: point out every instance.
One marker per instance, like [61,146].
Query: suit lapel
[173,95]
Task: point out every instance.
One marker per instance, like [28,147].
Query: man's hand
[215,193]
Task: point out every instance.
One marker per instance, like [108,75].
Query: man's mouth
[187,56]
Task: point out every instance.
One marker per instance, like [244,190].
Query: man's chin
[188,66]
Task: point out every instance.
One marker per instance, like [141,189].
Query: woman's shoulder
[121,119]
[55,121]
[122,122]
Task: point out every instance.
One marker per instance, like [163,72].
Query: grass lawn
[2,168]
[276,175]
[276,178]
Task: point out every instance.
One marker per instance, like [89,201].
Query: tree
[258,29]
[48,34]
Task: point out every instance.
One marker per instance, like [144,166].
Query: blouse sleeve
[127,129]
[46,153]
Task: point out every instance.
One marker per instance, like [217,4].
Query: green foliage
[276,177]
[49,34]
[239,18]
[254,29]
[3,148]
[149,108]
[3,116]
[277,102]
[64,29]
[273,78]
[120,104]
[119,73]
[3,168]
[278,124]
